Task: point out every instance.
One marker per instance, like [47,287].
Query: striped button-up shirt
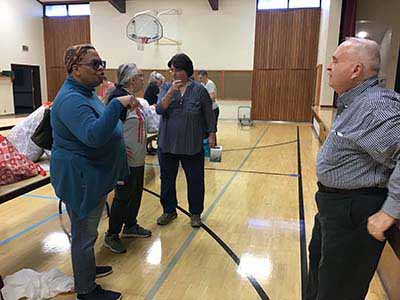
[362,148]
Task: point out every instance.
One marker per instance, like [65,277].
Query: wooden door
[59,34]
[285,55]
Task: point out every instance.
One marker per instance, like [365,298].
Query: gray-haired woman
[128,193]
[153,89]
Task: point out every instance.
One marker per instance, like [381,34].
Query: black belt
[324,189]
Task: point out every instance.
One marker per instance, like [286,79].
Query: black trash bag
[43,133]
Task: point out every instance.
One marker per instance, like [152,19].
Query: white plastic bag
[20,135]
[33,285]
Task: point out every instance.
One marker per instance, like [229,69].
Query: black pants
[343,256]
[216,113]
[126,203]
[193,165]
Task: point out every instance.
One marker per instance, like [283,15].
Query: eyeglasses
[175,70]
[95,64]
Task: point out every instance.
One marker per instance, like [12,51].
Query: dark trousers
[343,256]
[216,113]
[126,203]
[193,165]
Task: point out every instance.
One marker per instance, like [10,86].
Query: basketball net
[142,41]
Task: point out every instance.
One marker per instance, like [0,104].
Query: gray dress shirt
[362,148]
[187,120]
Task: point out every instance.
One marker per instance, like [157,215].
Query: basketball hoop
[142,40]
[144,28]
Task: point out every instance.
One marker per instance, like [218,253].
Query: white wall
[328,42]
[216,40]
[386,57]
[384,17]
[20,24]
[229,108]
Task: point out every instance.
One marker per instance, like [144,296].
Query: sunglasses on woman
[95,64]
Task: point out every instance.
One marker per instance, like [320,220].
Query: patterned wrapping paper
[14,166]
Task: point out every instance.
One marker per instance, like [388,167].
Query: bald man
[358,173]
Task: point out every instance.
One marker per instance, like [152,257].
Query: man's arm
[213,96]
[392,204]
[381,221]
[212,91]
[206,104]
[381,141]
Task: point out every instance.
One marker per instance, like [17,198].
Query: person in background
[87,158]
[104,87]
[186,119]
[358,174]
[129,190]
[155,81]
[212,90]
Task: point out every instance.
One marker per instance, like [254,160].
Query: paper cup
[216,154]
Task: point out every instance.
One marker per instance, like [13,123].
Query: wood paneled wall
[389,264]
[231,84]
[286,95]
[318,83]
[59,34]
[285,56]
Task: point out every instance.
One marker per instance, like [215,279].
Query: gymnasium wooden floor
[256,203]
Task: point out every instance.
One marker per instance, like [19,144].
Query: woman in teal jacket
[88,157]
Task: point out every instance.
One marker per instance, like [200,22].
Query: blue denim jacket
[187,120]
[88,154]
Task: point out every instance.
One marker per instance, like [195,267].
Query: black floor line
[241,171]
[260,291]
[303,247]
[24,190]
[253,172]
[260,147]
[6,127]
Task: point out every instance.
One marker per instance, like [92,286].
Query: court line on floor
[172,263]
[40,196]
[302,226]
[33,226]
[240,171]
[254,172]
[261,147]
[225,246]
[26,230]
[236,259]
